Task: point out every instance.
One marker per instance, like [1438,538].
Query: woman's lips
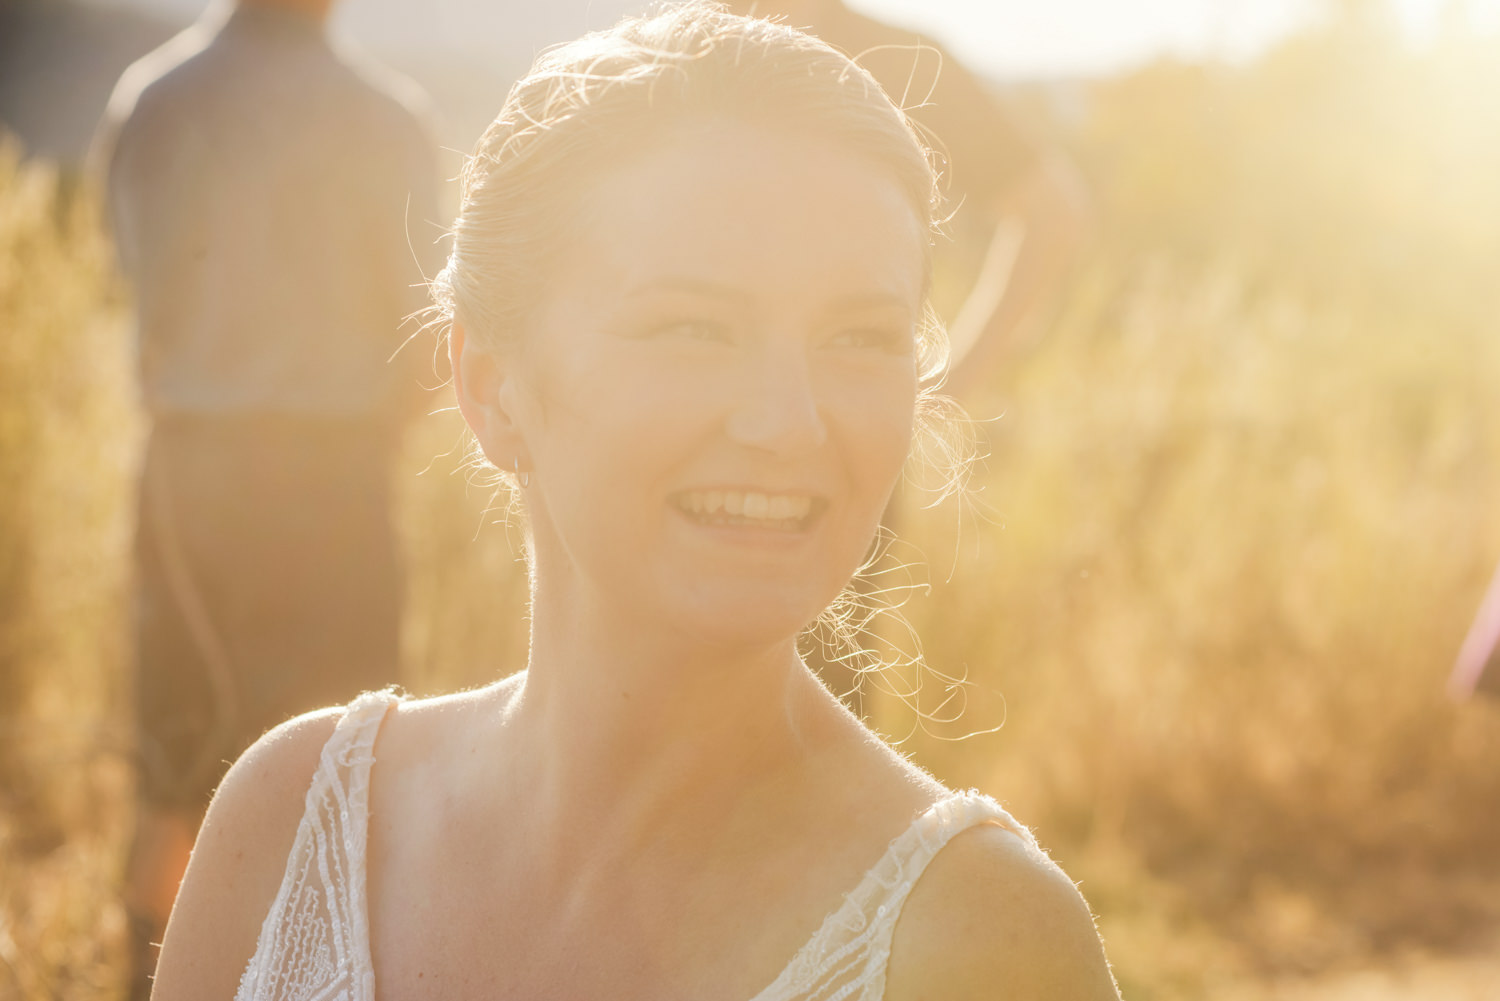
[748,508]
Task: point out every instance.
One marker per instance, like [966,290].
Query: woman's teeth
[746,507]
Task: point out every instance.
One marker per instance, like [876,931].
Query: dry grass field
[1238,505]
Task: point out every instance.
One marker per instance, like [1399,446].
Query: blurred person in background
[1020,197]
[270,195]
[1013,191]
[1478,668]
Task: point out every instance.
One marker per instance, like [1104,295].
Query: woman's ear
[481,380]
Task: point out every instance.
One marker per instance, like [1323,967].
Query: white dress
[315,946]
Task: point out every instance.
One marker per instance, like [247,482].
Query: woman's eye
[694,330]
[873,338]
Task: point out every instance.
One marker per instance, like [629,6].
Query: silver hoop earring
[522,479]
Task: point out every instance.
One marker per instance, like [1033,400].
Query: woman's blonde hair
[588,105]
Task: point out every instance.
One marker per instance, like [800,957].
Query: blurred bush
[1230,546]
[1346,163]
[67,436]
[1241,504]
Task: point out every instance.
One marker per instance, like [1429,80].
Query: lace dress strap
[314,943]
[847,957]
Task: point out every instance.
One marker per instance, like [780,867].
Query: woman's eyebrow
[692,286]
[723,290]
[871,300]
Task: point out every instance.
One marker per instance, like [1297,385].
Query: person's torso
[260,190]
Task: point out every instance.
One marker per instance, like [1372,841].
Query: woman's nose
[778,408]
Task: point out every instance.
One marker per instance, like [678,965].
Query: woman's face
[716,394]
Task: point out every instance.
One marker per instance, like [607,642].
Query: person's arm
[238,862]
[1042,223]
[1026,191]
[103,173]
[993,918]
[1477,670]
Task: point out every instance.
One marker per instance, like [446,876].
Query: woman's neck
[630,733]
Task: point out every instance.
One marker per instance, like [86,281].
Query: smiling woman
[768,359]
[686,304]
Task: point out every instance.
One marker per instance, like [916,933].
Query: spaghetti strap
[846,958]
[314,942]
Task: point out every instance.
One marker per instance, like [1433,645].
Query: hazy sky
[1002,37]
[1026,37]
[1023,37]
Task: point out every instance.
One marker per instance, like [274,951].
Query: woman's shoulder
[483,699]
[259,804]
[260,801]
[267,785]
[240,857]
[418,728]
[992,915]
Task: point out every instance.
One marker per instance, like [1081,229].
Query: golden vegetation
[67,435]
[1239,508]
